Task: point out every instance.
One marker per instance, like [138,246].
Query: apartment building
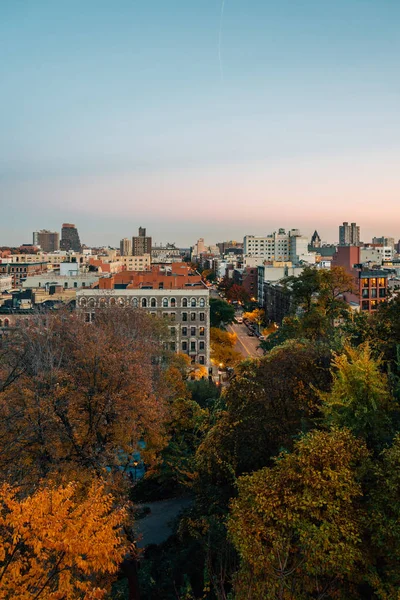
[125,247]
[49,241]
[141,244]
[349,235]
[135,263]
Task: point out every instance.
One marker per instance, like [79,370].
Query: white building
[6,283]
[45,280]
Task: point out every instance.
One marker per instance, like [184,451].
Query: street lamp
[135,466]
[220,373]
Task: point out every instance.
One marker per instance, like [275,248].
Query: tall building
[70,238]
[125,247]
[141,244]
[49,241]
[349,235]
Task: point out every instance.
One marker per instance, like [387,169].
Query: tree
[220,312]
[222,347]
[237,293]
[256,316]
[57,543]
[297,525]
[89,395]
[360,397]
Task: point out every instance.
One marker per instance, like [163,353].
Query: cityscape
[200,300]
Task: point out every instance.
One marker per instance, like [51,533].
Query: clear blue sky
[163,114]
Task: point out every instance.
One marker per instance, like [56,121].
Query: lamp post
[135,466]
[220,373]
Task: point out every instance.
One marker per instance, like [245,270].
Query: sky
[199,118]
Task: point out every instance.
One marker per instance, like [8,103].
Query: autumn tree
[58,543]
[297,526]
[88,395]
[256,316]
[222,347]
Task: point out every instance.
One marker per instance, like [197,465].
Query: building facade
[135,263]
[141,244]
[186,312]
[349,235]
[125,247]
[70,238]
[49,241]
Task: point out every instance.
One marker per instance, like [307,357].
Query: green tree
[221,312]
[297,525]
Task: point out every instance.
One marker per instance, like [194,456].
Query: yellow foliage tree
[222,347]
[56,544]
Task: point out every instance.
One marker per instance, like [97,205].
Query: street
[246,345]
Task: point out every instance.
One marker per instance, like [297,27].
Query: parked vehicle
[250,333]
[239,319]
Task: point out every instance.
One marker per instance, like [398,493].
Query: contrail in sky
[221,67]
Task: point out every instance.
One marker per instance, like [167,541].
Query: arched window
[144,302]
[135,303]
[82,302]
[91,302]
[121,302]
[102,302]
[192,301]
[173,302]
[184,302]
[112,301]
[153,302]
[202,302]
[165,302]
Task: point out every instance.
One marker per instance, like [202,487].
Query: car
[239,319]
[262,338]
[250,333]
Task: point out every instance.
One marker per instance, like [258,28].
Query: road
[246,345]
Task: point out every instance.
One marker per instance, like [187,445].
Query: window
[173,317]
[373,304]
[173,302]
[374,293]
[91,302]
[161,285]
[184,345]
[184,302]
[381,281]
[193,331]
[201,345]
[192,301]
[184,317]
[192,316]
[165,302]
[153,302]
[112,301]
[75,284]
[82,302]
[373,282]
[192,346]
[144,302]
[201,331]
[121,302]
[135,302]
[202,316]
[202,302]
[83,284]
[364,283]
[382,293]
[173,330]
[365,293]
[65,284]
[184,331]
[87,317]
[172,346]
[201,360]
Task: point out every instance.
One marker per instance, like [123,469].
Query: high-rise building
[49,241]
[349,235]
[125,247]
[141,244]
[70,238]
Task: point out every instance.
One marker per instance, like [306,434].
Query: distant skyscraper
[316,240]
[49,241]
[70,238]
[349,235]
[384,241]
[125,247]
[141,244]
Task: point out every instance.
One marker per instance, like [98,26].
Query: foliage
[204,392]
[237,293]
[221,312]
[222,347]
[87,396]
[209,275]
[360,397]
[256,316]
[57,544]
[297,525]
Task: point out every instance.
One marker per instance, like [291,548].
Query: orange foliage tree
[57,544]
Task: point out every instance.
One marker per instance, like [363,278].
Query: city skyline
[274,115]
